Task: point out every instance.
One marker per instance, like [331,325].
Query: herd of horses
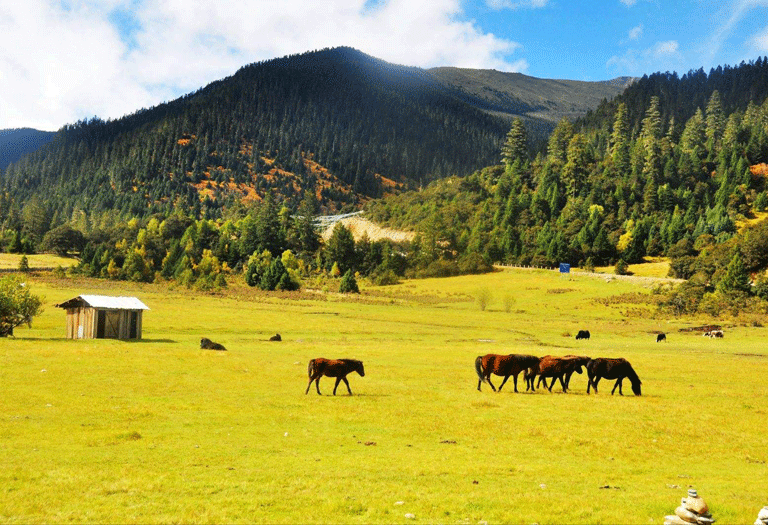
[506,366]
[557,368]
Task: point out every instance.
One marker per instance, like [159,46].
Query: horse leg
[594,384]
[617,384]
[502,383]
[308,385]
[564,384]
[347,383]
[551,384]
[317,385]
[515,378]
[338,380]
[479,382]
[489,382]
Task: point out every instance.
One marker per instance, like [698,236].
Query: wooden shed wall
[117,323]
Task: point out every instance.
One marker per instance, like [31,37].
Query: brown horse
[558,368]
[338,368]
[617,369]
[502,365]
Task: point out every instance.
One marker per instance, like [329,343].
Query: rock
[758,522]
[695,504]
[685,514]
[399,503]
[674,520]
[763,514]
[705,520]
[410,516]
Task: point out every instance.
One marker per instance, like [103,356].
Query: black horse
[661,337]
[583,334]
[617,369]
[338,368]
[502,365]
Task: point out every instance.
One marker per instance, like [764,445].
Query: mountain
[336,123]
[515,94]
[15,143]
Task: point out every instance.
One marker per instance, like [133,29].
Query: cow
[661,337]
[583,334]
[207,344]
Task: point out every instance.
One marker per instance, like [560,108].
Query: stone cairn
[762,517]
[694,510]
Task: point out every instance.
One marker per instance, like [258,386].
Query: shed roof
[105,301]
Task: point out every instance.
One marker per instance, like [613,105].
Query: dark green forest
[671,167]
[359,118]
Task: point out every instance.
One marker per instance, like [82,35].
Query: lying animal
[276,337]
[207,344]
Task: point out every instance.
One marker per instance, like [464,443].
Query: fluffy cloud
[64,60]
[661,49]
[636,32]
[628,3]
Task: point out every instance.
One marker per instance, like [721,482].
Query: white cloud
[78,60]
[759,42]
[516,4]
[636,32]
[667,48]
[628,3]
[733,13]
[663,56]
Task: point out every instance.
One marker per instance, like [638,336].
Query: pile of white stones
[762,517]
[692,509]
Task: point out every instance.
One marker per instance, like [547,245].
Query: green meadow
[160,431]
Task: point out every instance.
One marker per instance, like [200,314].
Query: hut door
[100,323]
[112,328]
[134,325]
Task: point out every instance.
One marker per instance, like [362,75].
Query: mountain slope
[15,143]
[337,123]
[516,94]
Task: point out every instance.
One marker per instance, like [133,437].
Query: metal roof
[106,301]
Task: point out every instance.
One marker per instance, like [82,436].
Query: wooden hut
[103,317]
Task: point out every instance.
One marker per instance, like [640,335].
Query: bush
[621,268]
[348,283]
[24,264]
[17,305]
[483,298]
[385,278]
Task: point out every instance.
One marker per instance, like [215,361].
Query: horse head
[636,387]
[360,370]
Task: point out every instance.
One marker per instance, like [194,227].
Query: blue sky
[63,60]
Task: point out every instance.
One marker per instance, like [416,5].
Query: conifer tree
[516,145]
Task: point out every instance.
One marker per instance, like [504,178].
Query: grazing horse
[617,369]
[561,368]
[502,365]
[661,337]
[338,368]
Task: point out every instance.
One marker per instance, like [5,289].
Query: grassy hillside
[516,94]
[160,431]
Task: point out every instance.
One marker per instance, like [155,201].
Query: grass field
[43,260]
[159,431]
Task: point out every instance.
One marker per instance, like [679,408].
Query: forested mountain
[669,167]
[336,122]
[15,143]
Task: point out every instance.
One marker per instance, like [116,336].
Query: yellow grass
[44,260]
[160,431]
[652,267]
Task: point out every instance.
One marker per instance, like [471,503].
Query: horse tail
[311,367]
[479,367]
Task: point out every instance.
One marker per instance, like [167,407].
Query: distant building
[103,317]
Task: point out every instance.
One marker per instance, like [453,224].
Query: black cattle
[583,334]
[207,344]
[276,337]
[661,337]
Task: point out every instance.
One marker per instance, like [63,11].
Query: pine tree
[736,278]
[620,141]
[516,145]
[715,122]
